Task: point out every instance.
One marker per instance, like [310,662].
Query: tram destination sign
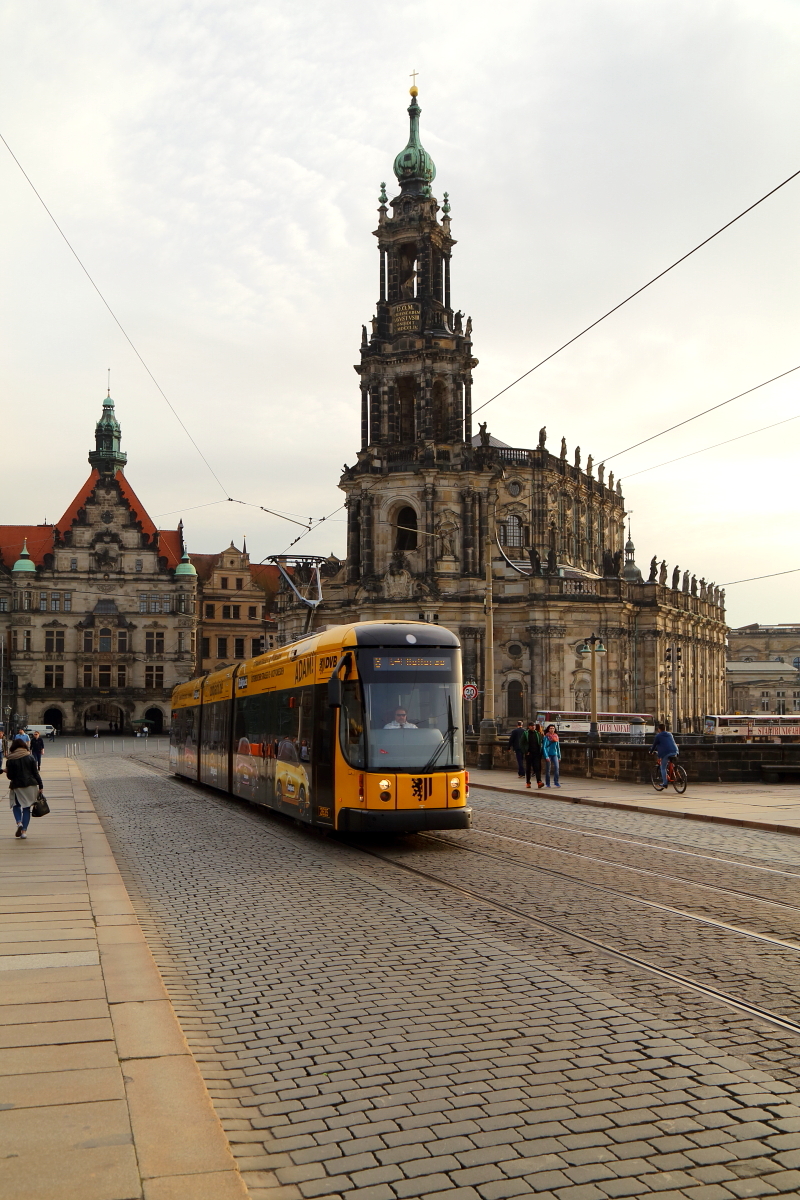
[405,318]
[415,662]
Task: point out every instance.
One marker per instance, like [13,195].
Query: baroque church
[98,612]
[433,507]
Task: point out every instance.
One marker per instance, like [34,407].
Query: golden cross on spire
[413,78]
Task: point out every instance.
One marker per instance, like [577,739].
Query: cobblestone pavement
[372,1034]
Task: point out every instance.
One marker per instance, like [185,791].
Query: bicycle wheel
[679,779]
[655,776]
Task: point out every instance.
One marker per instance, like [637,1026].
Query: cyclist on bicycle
[665,746]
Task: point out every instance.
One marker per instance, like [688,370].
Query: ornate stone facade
[428,503]
[97,612]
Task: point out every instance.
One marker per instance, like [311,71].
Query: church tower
[434,512]
[415,370]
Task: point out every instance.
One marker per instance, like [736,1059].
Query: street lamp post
[593,646]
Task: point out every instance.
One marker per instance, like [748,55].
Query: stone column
[353,507]
[364,416]
[430,541]
[468,409]
[467,536]
[367,544]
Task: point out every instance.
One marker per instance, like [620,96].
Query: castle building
[430,504]
[98,611]
[763,669]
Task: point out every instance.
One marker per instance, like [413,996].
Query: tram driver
[400,721]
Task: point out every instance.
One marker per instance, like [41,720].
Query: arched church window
[104,641]
[516,699]
[406,538]
[512,531]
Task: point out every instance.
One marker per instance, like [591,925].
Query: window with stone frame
[54,675]
[122,676]
[209,612]
[87,676]
[222,647]
[238,647]
[512,532]
[406,531]
[104,675]
[205,647]
[154,643]
[54,641]
[257,646]
[122,641]
[154,677]
[104,641]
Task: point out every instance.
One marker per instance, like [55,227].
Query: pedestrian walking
[516,742]
[551,751]
[25,784]
[22,734]
[533,754]
[37,748]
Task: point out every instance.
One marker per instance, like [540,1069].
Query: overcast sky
[217,167]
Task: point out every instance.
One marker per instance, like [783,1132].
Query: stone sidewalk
[100,1097]
[775,806]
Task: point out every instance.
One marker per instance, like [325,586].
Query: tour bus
[635,724]
[773,727]
[356,728]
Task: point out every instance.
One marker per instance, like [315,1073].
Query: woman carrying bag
[25,783]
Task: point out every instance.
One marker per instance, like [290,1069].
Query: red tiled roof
[12,538]
[204,565]
[138,508]
[169,546]
[71,515]
[266,576]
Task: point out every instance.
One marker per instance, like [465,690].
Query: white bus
[628,724]
[772,727]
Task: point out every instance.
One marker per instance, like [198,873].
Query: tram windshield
[412,712]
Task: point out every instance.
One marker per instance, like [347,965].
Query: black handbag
[40,807]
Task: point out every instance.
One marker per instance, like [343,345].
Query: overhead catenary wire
[696,416]
[130,342]
[754,578]
[727,442]
[638,291]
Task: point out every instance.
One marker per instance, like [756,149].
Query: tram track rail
[569,827]
[610,862]
[673,978]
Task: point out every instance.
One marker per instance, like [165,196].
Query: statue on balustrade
[662,574]
[653,569]
[676,579]
[536,561]
[685,583]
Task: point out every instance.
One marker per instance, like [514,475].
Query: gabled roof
[169,546]
[12,538]
[204,565]
[71,515]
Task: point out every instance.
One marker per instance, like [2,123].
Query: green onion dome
[185,567]
[24,564]
[413,166]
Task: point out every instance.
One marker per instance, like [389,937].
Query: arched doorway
[103,718]
[155,720]
[54,717]
[516,699]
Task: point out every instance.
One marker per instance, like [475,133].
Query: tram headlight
[454,782]
[384,785]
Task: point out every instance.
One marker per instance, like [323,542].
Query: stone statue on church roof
[653,569]
[577,458]
[662,574]
[676,579]
[542,437]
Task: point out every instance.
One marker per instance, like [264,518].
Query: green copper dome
[185,567]
[24,564]
[107,456]
[413,166]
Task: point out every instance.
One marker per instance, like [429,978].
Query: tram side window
[351,724]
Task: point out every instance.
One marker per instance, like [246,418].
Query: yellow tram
[358,728]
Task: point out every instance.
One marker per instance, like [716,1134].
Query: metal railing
[106,745]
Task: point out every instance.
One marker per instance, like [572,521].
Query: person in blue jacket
[551,752]
[665,746]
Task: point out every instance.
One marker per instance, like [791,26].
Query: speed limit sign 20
[470,691]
